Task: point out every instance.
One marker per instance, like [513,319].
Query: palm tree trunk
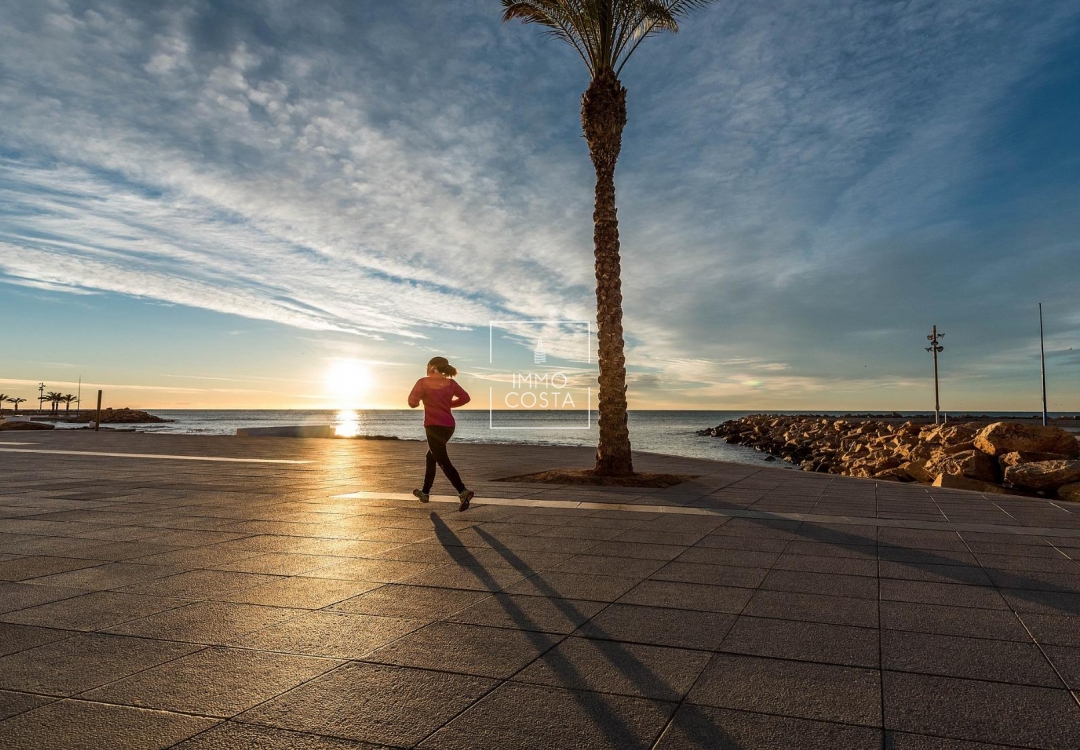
[603,116]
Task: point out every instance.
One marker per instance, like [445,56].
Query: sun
[347,383]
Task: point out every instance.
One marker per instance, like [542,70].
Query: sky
[211,204]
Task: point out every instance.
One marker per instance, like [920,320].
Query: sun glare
[347,383]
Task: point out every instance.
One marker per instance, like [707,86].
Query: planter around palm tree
[605,33]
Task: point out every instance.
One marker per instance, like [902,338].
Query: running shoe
[464,498]
[421,495]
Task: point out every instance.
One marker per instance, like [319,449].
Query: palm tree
[68,399]
[16,401]
[3,397]
[605,33]
[54,398]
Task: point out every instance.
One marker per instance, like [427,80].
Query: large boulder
[1070,492]
[952,482]
[972,464]
[1044,475]
[1026,457]
[917,470]
[1005,437]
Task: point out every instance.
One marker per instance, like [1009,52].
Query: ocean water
[670,432]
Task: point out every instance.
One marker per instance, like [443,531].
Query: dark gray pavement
[292,597]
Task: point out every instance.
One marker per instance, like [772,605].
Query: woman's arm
[416,394]
[460,397]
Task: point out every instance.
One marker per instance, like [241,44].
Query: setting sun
[347,383]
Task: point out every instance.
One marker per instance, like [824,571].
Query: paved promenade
[203,593]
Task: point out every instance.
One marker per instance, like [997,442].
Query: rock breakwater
[1000,457]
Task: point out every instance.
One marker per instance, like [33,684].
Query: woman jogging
[440,393]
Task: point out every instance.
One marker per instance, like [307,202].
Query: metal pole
[97,422]
[935,347]
[1042,360]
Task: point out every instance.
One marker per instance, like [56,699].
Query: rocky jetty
[1000,457]
[117,416]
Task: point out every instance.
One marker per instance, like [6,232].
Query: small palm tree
[16,401]
[54,398]
[68,399]
[605,33]
[3,397]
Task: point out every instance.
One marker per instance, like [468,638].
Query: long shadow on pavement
[606,719]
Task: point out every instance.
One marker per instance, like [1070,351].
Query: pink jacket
[439,396]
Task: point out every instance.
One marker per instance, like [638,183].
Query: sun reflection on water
[348,424]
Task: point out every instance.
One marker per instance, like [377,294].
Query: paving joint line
[1014,530]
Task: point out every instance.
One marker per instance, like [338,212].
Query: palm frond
[605,33]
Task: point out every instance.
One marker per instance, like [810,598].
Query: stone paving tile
[958,621]
[713,575]
[694,596]
[590,564]
[906,741]
[200,584]
[71,724]
[13,704]
[659,626]
[363,569]
[26,568]
[548,717]
[469,649]
[213,682]
[826,692]
[94,611]
[417,602]
[836,610]
[280,564]
[1056,630]
[982,711]
[82,662]
[330,634]
[929,592]
[529,613]
[455,576]
[1067,662]
[372,703]
[1043,602]
[108,576]
[230,735]
[850,566]
[301,592]
[726,556]
[962,574]
[696,727]
[206,622]
[974,658]
[574,586]
[612,667]
[15,638]
[804,641]
[804,582]
[753,544]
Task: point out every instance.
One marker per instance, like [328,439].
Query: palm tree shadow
[605,716]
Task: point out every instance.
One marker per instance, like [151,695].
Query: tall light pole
[936,348]
[41,396]
[1042,360]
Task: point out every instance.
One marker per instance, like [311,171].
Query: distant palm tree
[69,399]
[605,33]
[3,397]
[54,398]
[16,401]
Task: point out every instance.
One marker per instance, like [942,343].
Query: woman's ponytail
[443,365]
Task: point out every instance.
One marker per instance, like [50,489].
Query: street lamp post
[1042,360]
[936,348]
[41,396]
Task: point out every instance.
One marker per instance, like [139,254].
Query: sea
[670,432]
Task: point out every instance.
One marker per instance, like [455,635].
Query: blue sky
[210,203]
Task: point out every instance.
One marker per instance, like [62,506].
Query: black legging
[437,438]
